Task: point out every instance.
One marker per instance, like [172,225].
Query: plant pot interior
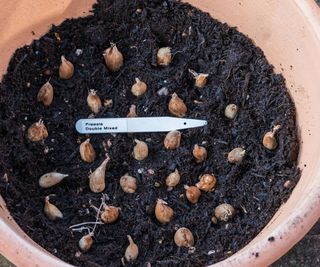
[291,20]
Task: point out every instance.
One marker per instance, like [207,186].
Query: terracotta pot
[289,33]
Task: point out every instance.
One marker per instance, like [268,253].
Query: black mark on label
[91,124]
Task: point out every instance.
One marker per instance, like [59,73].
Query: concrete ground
[4,262]
[305,253]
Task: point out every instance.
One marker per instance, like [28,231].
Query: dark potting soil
[238,73]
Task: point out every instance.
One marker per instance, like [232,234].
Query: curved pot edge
[262,253]
[25,251]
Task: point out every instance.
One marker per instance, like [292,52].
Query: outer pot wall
[289,33]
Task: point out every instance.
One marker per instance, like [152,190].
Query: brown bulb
[236,155]
[173,179]
[50,179]
[164,56]
[140,150]
[94,101]
[184,237]
[85,243]
[231,111]
[109,214]
[172,140]
[113,58]
[132,112]
[108,103]
[163,212]
[192,193]
[37,132]
[45,94]
[269,139]
[201,79]
[139,88]
[51,211]
[224,212]
[207,182]
[87,151]
[200,153]
[176,106]
[128,184]
[66,69]
[97,181]
[214,219]
[132,251]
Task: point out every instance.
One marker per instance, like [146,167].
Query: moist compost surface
[238,73]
